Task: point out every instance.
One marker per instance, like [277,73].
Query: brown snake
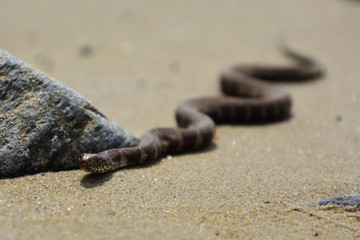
[249,100]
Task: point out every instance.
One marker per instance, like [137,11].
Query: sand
[136,60]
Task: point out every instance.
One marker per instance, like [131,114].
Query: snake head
[95,163]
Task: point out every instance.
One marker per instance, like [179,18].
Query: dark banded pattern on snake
[248,100]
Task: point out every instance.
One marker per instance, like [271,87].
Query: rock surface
[46,126]
[347,200]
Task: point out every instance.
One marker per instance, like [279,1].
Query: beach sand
[135,61]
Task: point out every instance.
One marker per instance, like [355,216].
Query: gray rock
[46,126]
[347,200]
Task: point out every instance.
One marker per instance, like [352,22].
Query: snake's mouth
[93,163]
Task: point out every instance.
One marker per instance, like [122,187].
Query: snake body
[248,100]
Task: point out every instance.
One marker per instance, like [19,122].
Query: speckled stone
[347,200]
[46,126]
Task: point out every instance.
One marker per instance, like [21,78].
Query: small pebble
[86,50]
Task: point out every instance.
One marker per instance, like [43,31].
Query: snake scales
[248,100]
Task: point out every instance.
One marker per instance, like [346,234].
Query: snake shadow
[93,180]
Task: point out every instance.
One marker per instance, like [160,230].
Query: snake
[250,97]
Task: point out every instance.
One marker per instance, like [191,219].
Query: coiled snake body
[248,100]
